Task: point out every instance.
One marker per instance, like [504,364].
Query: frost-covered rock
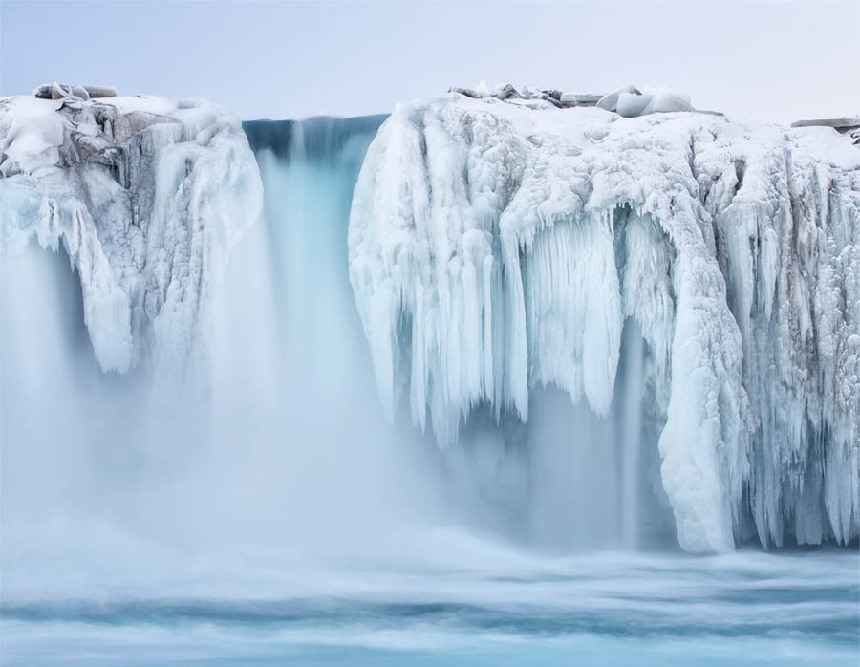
[496,247]
[146,196]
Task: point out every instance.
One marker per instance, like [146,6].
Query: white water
[445,597]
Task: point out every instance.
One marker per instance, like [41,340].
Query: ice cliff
[497,246]
[145,195]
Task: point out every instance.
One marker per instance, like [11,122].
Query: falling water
[630,406]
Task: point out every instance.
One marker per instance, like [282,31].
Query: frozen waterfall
[587,330]
[497,248]
[146,196]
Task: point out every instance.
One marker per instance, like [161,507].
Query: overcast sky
[772,60]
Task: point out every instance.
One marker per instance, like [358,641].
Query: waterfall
[309,170]
[630,403]
[554,389]
[278,437]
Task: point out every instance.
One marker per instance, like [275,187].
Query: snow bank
[496,247]
[146,195]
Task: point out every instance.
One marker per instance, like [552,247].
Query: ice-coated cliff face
[146,196]
[495,248]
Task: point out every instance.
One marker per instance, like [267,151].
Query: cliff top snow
[33,130]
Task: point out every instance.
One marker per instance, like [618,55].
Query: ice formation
[497,246]
[146,195]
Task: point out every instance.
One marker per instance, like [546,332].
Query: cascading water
[291,371]
[630,405]
[308,170]
[264,491]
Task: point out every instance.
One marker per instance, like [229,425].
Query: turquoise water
[500,607]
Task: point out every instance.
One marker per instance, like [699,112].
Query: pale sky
[776,60]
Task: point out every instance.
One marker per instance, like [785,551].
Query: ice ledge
[146,196]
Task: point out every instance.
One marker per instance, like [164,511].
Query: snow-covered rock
[628,101]
[146,196]
[496,247]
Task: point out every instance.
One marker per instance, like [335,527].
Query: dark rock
[465,92]
[579,100]
[506,92]
[844,124]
